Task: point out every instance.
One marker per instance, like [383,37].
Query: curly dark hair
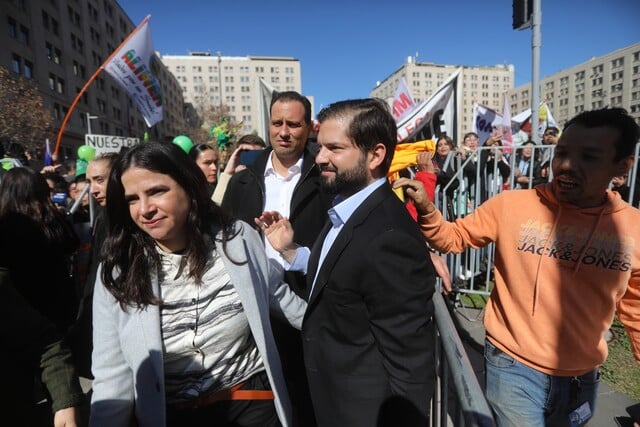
[128,252]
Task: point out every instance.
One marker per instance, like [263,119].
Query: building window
[616,100]
[52,81]
[16,64]
[12,28]
[45,20]
[28,69]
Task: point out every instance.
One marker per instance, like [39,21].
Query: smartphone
[59,199]
[247,157]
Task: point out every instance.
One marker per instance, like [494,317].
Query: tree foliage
[209,116]
[23,115]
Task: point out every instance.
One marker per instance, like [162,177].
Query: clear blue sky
[345,46]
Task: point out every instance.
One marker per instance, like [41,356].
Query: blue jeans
[522,396]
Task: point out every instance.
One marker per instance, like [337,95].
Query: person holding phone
[249,148]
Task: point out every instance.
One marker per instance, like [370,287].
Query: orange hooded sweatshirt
[560,272]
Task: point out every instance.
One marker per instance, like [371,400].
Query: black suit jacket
[244,199]
[368,333]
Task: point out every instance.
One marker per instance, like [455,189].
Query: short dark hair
[289,96]
[553,129]
[616,118]
[371,123]
[252,139]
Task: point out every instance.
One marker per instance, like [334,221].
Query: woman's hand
[424,162]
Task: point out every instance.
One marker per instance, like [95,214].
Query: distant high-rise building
[485,85]
[59,45]
[611,80]
[233,82]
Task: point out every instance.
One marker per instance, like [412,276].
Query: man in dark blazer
[367,333]
[286,173]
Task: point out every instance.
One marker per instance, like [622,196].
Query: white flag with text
[403,102]
[134,67]
[441,104]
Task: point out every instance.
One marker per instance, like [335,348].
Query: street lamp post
[89,118]
[220,81]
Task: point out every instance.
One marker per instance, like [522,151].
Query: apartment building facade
[611,80]
[483,84]
[59,44]
[233,83]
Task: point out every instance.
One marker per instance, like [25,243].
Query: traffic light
[522,11]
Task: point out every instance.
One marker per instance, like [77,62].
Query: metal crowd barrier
[458,399]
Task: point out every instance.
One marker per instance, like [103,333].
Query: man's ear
[376,156]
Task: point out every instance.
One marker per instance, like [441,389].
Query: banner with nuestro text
[134,67]
[443,103]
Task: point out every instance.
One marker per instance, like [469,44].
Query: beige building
[233,83]
[59,45]
[485,85]
[611,80]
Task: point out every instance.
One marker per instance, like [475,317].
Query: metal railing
[458,399]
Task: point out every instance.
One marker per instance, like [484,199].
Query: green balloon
[183,142]
[86,152]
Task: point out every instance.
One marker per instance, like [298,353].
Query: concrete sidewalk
[611,407]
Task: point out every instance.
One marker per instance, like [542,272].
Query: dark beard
[347,182]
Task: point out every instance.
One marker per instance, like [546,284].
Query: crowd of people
[291,286]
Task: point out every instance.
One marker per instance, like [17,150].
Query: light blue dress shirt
[339,214]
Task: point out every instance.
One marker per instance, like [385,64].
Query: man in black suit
[285,177]
[367,333]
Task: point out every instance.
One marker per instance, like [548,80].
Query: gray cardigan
[127,344]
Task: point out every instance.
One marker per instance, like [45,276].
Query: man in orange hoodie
[567,255]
